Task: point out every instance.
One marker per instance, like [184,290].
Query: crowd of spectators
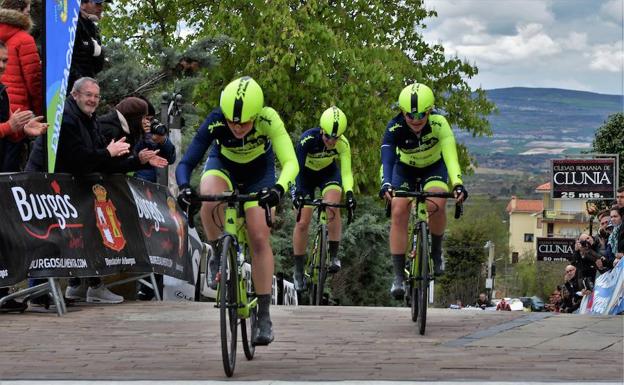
[120,141]
[593,255]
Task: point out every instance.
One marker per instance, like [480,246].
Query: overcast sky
[572,44]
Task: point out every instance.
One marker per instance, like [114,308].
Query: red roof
[525,205]
[543,187]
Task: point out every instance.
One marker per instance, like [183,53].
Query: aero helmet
[242,100]
[416,98]
[333,122]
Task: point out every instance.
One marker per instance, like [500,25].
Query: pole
[489,285]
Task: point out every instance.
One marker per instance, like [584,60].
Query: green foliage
[357,55]
[529,277]
[609,139]
[465,255]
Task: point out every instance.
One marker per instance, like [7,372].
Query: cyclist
[418,143]
[317,151]
[244,134]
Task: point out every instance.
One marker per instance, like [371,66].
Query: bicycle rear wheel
[228,304]
[423,283]
[322,264]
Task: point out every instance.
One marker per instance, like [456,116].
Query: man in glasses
[418,145]
[243,137]
[318,151]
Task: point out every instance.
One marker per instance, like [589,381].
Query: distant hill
[536,124]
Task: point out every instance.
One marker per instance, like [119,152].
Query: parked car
[534,303]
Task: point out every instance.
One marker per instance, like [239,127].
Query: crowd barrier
[608,294]
[59,225]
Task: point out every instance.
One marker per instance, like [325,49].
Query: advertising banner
[164,229]
[60,32]
[555,249]
[57,225]
[584,178]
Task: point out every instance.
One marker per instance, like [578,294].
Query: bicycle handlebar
[323,205]
[459,208]
[232,197]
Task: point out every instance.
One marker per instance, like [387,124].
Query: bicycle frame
[315,270]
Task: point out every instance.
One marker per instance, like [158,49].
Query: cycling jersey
[313,156]
[436,141]
[267,135]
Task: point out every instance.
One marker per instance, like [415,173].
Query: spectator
[503,305]
[88,55]
[125,120]
[554,301]
[619,200]
[584,259]
[483,301]
[616,239]
[601,241]
[571,291]
[22,76]
[82,150]
[155,138]
[14,127]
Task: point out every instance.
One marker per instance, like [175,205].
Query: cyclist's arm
[388,153]
[344,150]
[449,152]
[283,148]
[196,150]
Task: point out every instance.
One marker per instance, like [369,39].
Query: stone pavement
[180,341]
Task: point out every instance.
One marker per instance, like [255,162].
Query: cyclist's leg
[301,228]
[300,244]
[258,234]
[333,194]
[262,267]
[402,177]
[214,180]
[436,181]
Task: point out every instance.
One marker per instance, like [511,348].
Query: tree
[609,139]
[357,55]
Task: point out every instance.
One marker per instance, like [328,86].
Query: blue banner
[60,33]
[609,292]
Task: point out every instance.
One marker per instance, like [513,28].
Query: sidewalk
[180,341]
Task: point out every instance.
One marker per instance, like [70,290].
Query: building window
[550,229]
[514,257]
[528,237]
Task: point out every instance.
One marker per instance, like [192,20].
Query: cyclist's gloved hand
[185,198]
[297,201]
[351,204]
[271,197]
[460,190]
[385,188]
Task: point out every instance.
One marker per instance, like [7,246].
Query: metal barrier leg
[155,287]
[58,299]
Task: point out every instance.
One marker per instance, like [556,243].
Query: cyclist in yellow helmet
[243,136]
[418,144]
[317,152]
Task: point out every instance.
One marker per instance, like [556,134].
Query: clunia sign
[555,249]
[584,178]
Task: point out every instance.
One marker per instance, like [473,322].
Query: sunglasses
[416,115]
[329,137]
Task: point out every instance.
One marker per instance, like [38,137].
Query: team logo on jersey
[106,219]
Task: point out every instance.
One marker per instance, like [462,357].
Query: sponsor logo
[148,209]
[180,224]
[106,220]
[33,206]
[58,263]
[4,273]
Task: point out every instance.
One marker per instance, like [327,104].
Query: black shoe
[334,266]
[213,268]
[12,306]
[398,288]
[264,333]
[298,281]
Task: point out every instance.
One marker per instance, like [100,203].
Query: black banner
[555,249]
[584,178]
[164,228]
[57,225]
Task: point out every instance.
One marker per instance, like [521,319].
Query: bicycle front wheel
[322,264]
[228,304]
[423,283]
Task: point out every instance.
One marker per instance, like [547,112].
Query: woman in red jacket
[23,73]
